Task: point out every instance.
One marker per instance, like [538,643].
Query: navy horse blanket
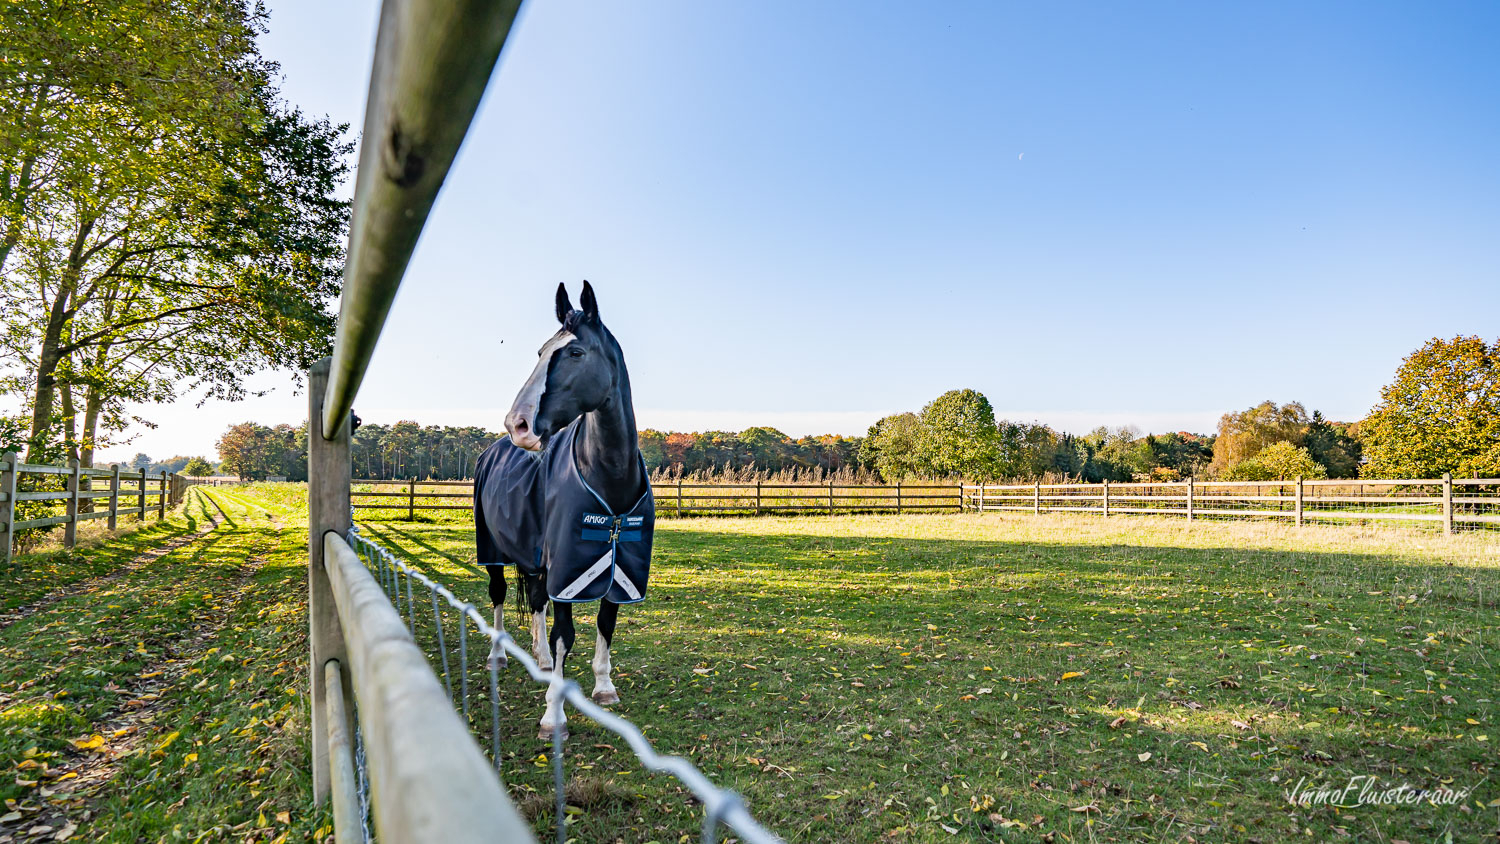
[538,513]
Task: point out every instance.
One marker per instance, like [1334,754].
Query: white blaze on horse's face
[521,421]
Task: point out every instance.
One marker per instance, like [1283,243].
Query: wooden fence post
[114,496]
[898,498]
[1036,499]
[70,530]
[980,497]
[1190,498]
[161,500]
[1448,503]
[757,498]
[141,494]
[1299,501]
[327,510]
[830,498]
[411,500]
[8,487]
[1106,498]
[679,496]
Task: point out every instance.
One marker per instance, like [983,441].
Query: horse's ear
[590,304]
[564,307]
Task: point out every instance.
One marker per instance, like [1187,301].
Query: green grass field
[915,678]
[1034,679]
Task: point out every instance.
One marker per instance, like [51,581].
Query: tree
[893,447]
[171,246]
[1279,461]
[1243,434]
[1332,445]
[141,460]
[198,467]
[1440,414]
[959,435]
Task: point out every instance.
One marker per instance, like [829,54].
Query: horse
[566,498]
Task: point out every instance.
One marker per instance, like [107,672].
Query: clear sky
[812,214]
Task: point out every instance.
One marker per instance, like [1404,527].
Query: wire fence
[1446,504]
[722,807]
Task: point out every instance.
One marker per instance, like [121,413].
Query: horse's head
[577,371]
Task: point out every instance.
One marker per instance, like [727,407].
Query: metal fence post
[1448,503]
[161,500]
[1036,499]
[327,510]
[8,487]
[1299,501]
[411,500]
[114,496]
[1190,498]
[70,530]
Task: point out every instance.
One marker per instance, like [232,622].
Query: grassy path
[161,699]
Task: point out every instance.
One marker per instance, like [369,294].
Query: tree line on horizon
[1440,414]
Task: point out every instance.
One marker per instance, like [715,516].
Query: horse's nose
[519,425]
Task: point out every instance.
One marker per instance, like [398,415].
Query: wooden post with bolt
[114,496]
[327,511]
[1448,503]
[70,530]
[8,488]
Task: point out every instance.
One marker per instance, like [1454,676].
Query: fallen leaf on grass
[1117,723]
[1085,809]
[1144,757]
[93,742]
[1068,675]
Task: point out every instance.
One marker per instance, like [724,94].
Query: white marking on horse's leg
[539,640]
[497,657]
[554,718]
[604,688]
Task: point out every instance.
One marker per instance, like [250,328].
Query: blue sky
[812,214]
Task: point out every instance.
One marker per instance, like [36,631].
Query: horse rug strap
[592,552]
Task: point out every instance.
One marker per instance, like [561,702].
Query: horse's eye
[575,353]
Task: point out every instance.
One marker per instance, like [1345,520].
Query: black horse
[566,499]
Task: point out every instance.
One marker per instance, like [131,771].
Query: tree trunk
[51,354]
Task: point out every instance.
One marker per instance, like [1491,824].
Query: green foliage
[255,452]
[1279,461]
[1440,414]
[167,223]
[1244,433]
[959,438]
[1333,445]
[893,447]
[197,467]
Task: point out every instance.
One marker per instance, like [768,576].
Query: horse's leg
[604,688]
[536,592]
[497,597]
[562,641]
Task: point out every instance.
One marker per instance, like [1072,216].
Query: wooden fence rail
[680,498]
[1453,503]
[80,500]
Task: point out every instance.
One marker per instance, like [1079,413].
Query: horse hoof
[606,698]
[545,733]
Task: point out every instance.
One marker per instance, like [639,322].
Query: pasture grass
[1025,678]
[165,701]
